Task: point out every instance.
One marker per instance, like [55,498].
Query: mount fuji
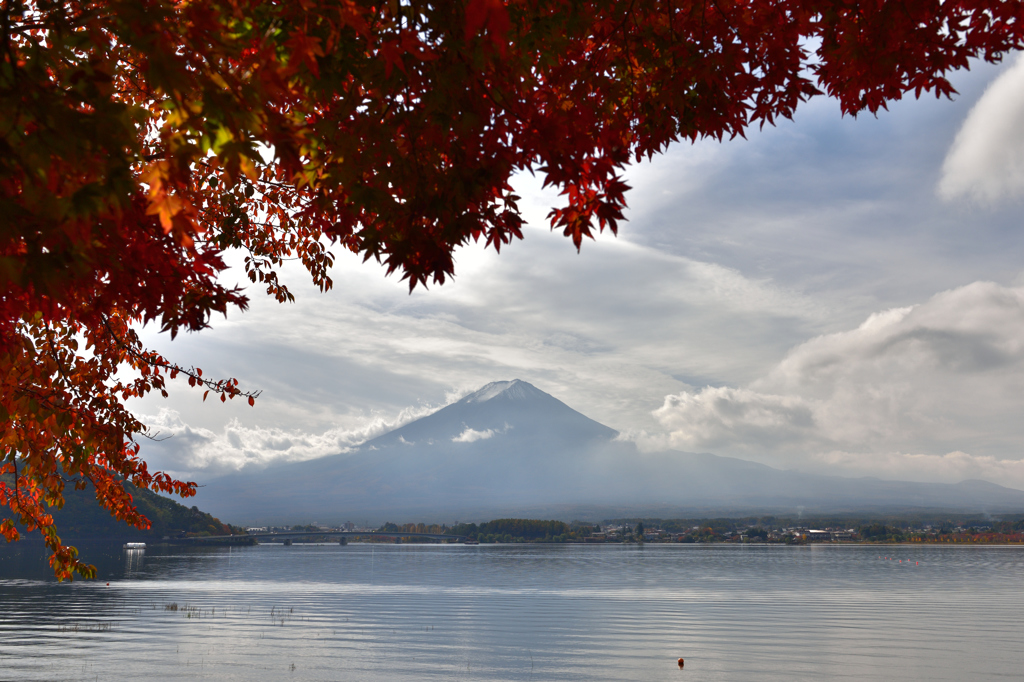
[512,449]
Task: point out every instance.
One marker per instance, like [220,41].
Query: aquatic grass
[86,627]
[188,610]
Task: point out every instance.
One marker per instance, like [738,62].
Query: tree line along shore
[770,529]
[83,518]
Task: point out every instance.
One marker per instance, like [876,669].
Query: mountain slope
[495,410]
[507,443]
[511,448]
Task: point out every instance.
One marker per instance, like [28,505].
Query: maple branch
[46,398]
[206,164]
[26,513]
[57,362]
[12,59]
[615,30]
[17,487]
[223,386]
[629,61]
[725,19]
[22,28]
[498,99]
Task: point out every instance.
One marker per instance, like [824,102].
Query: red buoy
[680,661]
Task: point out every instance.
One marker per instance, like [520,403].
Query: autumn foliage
[141,139]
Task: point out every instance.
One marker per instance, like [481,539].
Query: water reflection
[375,613]
[133,557]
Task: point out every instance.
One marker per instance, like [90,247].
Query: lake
[379,612]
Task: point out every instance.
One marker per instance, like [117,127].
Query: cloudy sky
[834,294]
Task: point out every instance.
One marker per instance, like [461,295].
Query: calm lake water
[517,612]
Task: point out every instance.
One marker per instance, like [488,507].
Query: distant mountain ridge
[510,448]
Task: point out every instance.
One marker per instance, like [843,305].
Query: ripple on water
[520,612]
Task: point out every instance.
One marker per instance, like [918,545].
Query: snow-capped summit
[514,409]
[512,390]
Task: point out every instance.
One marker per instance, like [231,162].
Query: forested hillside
[83,517]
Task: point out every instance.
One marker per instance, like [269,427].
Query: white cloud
[184,450]
[986,161]
[938,380]
[721,416]
[607,331]
[472,435]
[951,467]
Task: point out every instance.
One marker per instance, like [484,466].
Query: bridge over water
[342,535]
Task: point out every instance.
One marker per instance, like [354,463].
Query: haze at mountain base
[511,448]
